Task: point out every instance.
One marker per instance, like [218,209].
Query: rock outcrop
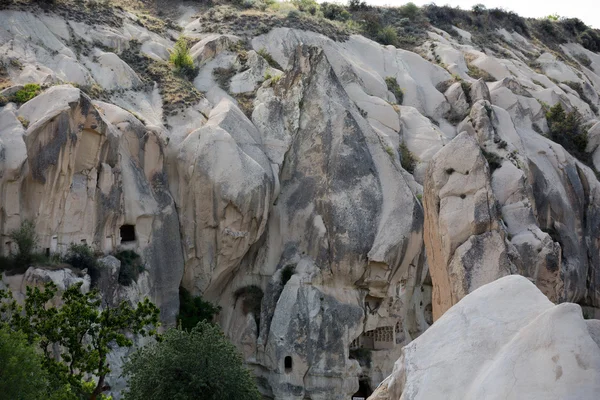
[93,173]
[321,191]
[505,340]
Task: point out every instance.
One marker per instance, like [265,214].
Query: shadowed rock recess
[333,195]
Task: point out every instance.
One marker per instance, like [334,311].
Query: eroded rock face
[296,215]
[465,244]
[505,340]
[88,171]
[338,230]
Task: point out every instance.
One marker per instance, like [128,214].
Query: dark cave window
[287,363]
[364,390]
[127,233]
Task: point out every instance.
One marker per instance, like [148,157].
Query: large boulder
[505,340]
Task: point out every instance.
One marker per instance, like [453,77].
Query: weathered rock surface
[88,171]
[464,241]
[280,194]
[505,340]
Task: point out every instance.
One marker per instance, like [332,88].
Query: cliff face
[277,183]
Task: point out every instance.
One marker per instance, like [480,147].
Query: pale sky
[586,10]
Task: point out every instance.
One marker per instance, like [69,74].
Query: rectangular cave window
[127,233]
[288,364]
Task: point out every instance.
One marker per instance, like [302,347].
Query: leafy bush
[566,129]
[26,240]
[388,36]
[308,6]
[21,374]
[81,256]
[392,85]
[590,39]
[131,266]
[335,12]
[3,101]
[193,309]
[410,10]
[494,161]
[28,92]
[166,369]
[182,60]
[478,9]
[407,159]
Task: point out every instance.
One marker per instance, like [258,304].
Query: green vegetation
[176,90]
[193,309]
[578,87]
[246,103]
[131,266]
[494,161]
[26,239]
[308,6]
[583,59]
[21,374]
[223,76]
[566,129]
[182,60]
[23,121]
[80,331]
[81,256]
[267,56]
[407,159]
[165,369]
[28,92]
[392,85]
[388,36]
[478,73]
[334,11]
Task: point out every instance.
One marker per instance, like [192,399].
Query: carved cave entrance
[127,233]
[364,390]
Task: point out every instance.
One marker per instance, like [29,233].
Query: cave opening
[287,363]
[127,233]
[364,389]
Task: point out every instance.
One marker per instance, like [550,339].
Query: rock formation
[505,340]
[332,195]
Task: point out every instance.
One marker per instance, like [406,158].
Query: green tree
[186,365]
[193,309]
[21,374]
[82,330]
[26,240]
